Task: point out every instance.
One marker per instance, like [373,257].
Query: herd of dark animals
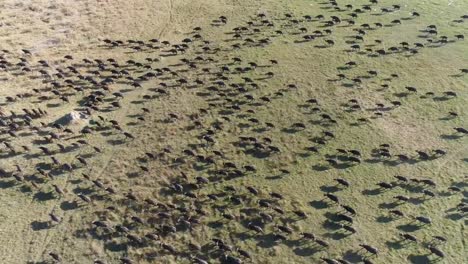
[265,215]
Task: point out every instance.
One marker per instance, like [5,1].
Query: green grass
[417,125]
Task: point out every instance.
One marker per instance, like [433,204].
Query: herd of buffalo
[205,188]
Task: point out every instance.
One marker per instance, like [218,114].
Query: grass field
[198,119]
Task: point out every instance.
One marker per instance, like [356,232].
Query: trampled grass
[186,115]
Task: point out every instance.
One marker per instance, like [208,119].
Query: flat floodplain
[173,131]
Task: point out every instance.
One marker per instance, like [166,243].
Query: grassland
[422,123]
